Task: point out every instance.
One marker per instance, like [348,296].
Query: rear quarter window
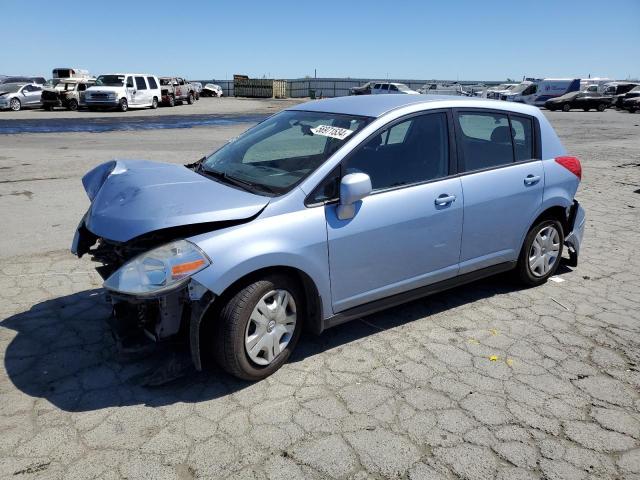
[152,83]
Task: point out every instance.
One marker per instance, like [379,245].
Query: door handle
[445,199]
[531,179]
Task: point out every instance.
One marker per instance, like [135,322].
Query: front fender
[296,240]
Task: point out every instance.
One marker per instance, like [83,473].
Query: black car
[632,104]
[633,93]
[618,90]
[584,100]
[362,89]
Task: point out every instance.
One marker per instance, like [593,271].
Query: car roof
[378,105]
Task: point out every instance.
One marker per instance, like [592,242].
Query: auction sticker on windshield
[333,132]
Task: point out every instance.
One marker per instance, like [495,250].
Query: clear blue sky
[286,39]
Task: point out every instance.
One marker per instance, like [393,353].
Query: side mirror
[353,188]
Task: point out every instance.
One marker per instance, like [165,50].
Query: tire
[172,101]
[15,105]
[632,110]
[48,108]
[541,252]
[154,103]
[190,99]
[72,105]
[123,105]
[235,327]
[601,107]
[566,107]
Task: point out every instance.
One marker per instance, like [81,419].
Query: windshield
[165,81]
[280,152]
[110,80]
[635,89]
[11,87]
[520,88]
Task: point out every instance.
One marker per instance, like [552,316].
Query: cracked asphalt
[485,381]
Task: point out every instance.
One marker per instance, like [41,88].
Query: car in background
[442,89]
[362,89]
[67,72]
[631,104]
[495,92]
[211,90]
[393,88]
[236,253]
[579,100]
[124,91]
[67,93]
[22,79]
[16,96]
[176,90]
[620,99]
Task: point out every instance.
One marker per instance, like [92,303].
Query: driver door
[131,90]
[407,233]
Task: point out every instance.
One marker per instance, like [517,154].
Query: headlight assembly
[158,270]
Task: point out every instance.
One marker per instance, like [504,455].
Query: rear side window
[485,140]
[522,129]
[413,151]
[152,83]
[140,83]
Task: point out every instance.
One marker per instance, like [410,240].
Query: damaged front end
[149,285]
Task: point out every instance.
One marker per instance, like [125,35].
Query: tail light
[572,164]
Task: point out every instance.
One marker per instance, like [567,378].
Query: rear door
[407,233]
[502,181]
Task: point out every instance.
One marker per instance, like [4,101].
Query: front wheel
[258,327]
[566,107]
[15,104]
[123,105]
[72,105]
[190,99]
[632,110]
[154,103]
[601,107]
[541,252]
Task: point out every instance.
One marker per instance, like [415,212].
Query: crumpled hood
[132,197]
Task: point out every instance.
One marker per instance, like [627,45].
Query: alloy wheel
[270,326]
[14,104]
[544,251]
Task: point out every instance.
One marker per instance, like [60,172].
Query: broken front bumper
[573,240]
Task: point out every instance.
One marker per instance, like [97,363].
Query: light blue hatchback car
[326,212]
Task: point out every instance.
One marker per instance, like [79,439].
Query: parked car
[211,90]
[300,221]
[16,96]
[124,91]
[631,104]
[176,90]
[620,99]
[68,93]
[582,100]
[385,87]
[20,79]
[442,89]
[362,89]
[497,90]
[617,90]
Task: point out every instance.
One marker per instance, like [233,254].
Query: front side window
[412,151]
[393,88]
[485,140]
[140,83]
[280,152]
[129,82]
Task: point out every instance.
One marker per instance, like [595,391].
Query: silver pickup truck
[176,90]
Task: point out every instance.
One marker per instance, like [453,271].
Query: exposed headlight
[158,270]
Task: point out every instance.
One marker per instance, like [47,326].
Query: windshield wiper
[247,185]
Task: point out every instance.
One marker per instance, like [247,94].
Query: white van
[67,72]
[124,91]
[594,84]
[551,88]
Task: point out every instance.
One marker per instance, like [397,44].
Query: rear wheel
[123,105]
[601,107]
[48,108]
[541,252]
[172,101]
[632,110]
[15,104]
[72,105]
[566,107]
[154,103]
[258,327]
